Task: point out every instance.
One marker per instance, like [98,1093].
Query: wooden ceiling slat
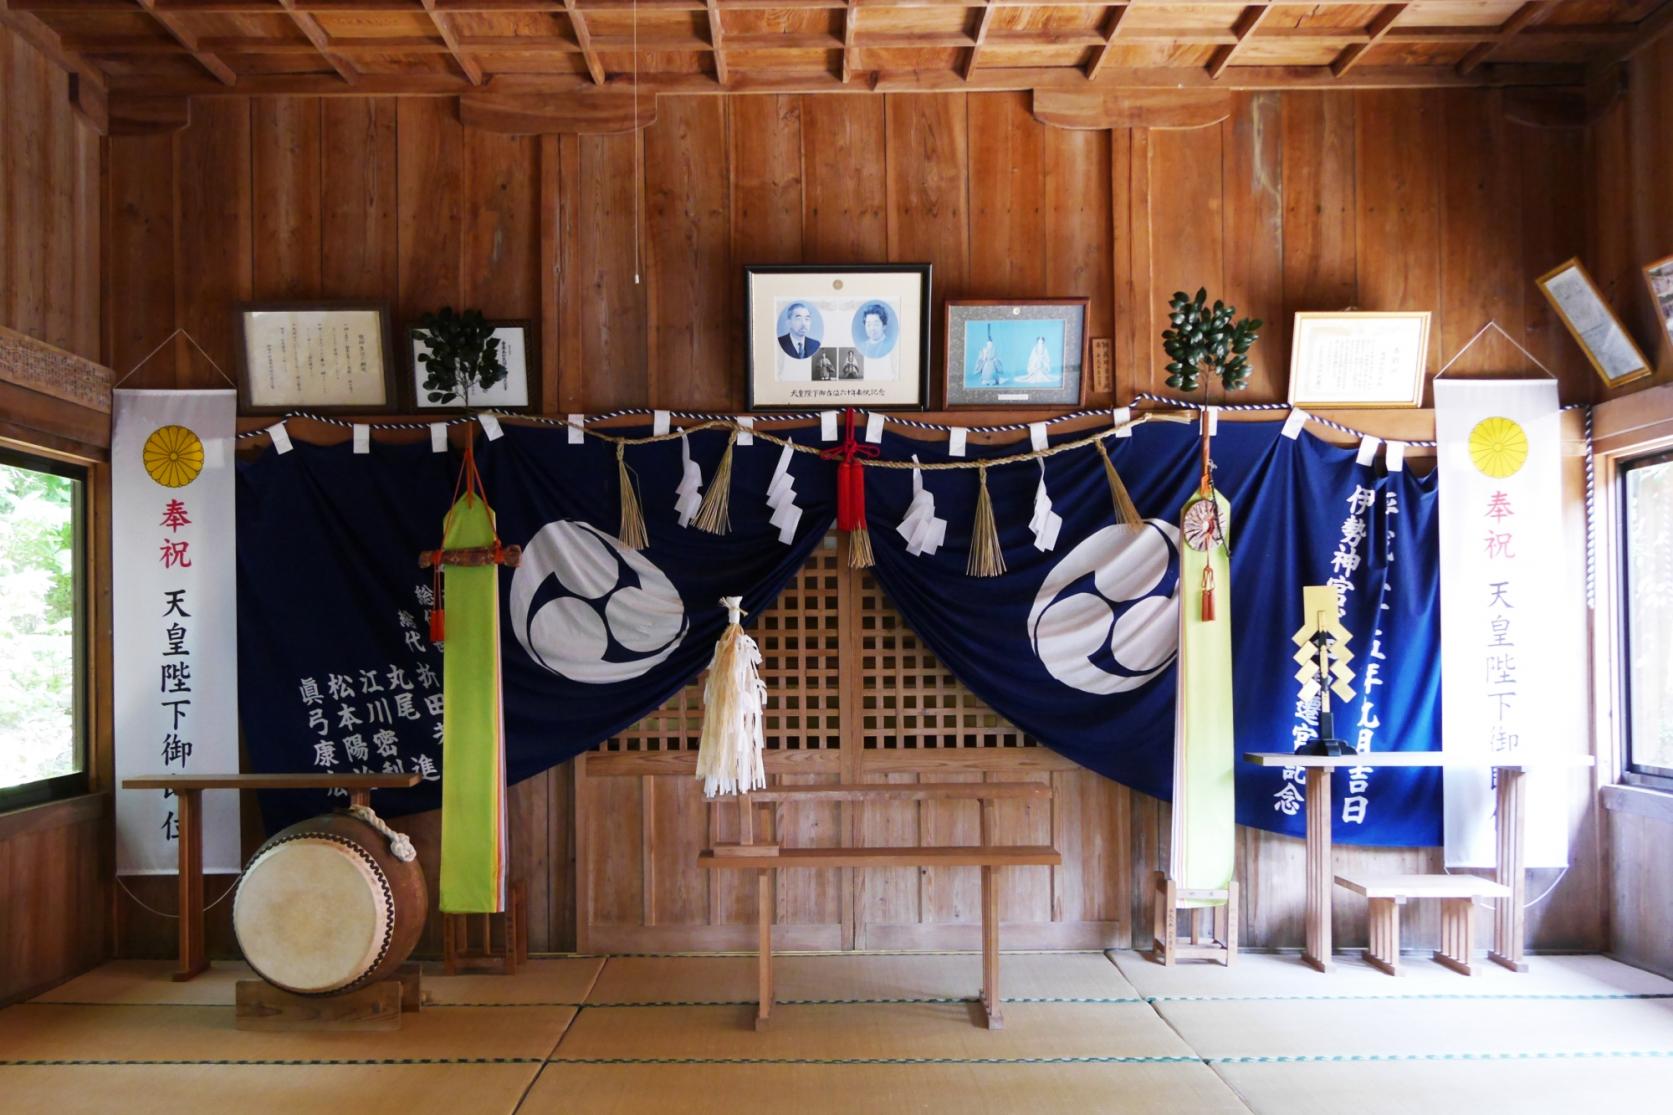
[1526,14]
[211,62]
[983,22]
[850,17]
[715,35]
[578,23]
[1247,23]
[1379,28]
[449,35]
[1111,31]
[321,42]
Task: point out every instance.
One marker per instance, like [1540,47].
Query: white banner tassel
[687,498]
[729,749]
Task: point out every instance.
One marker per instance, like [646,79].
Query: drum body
[325,907]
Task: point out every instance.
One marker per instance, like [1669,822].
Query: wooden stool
[513,947]
[1221,937]
[1387,893]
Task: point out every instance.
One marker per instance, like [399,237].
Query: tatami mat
[263,1089]
[937,1031]
[1083,1089]
[47,1031]
[1379,1027]
[1526,1087]
[560,981]
[850,978]
[1267,974]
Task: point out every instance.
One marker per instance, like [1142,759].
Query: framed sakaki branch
[837,336]
[1592,324]
[517,390]
[1354,358]
[325,356]
[1016,352]
[1659,277]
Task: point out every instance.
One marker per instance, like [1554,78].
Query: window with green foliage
[41,638]
[1648,551]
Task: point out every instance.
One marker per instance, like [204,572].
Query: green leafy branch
[463,356]
[1205,340]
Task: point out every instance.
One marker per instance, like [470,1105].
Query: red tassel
[1208,594]
[438,617]
[855,490]
[438,625]
[845,497]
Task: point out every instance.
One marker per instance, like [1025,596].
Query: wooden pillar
[1320,877]
[1508,927]
[192,960]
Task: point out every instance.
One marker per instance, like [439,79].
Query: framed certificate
[325,356]
[1355,358]
[1592,324]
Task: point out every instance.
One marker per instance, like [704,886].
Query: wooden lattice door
[853,696]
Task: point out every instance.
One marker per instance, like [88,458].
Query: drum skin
[324,907]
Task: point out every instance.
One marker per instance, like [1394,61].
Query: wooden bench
[766,857]
[1457,894]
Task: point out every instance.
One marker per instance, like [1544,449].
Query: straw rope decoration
[714,511]
[987,557]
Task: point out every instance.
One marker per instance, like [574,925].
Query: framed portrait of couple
[823,336]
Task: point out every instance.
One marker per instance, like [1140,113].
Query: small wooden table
[188,788]
[1509,821]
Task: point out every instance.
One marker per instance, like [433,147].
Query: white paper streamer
[1368,449]
[874,426]
[1037,436]
[438,437]
[1046,523]
[660,420]
[1396,456]
[827,425]
[491,426]
[746,436]
[923,532]
[1293,424]
[362,438]
[280,437]
[577,428]
[687,498]
[781,496]
[1213,421]
[1121,416]
[955,441]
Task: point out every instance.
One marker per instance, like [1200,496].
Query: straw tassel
[715,516]
[632,531]
[729,748]
[859,548]
[851,478]
[987,559]
[1126,511]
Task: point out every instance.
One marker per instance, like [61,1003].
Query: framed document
[1659,276]
[518,391]
[326,356]
[1592,324]
[1019,353]
[824,336]
[1358,358]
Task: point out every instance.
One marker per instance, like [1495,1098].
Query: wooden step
[1423,886]
[970,856]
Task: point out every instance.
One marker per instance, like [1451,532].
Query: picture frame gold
[1579,305]
[1350,359]
[1659,274]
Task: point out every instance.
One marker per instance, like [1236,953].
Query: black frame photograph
[838,335]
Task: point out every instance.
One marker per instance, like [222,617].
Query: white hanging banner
[1499,457]
[174,616]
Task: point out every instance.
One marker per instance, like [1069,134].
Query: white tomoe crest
[588,609]
[1106,618]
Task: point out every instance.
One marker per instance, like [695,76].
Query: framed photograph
[1358,358]
[321,356]
[1659,275]
[1027,353]
[1593,324]
[519,390]
[834,336]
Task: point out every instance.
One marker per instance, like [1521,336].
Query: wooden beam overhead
[1111,30]
[444,27]
[211,62]
[320,41]
[982,23]
[1379,27]
[1526,14]
[715,36]
[1250,19]
[850,18]
[584,40]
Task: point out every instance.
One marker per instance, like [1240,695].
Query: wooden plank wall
[54,859]
[1298,200]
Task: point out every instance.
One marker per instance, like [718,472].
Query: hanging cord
[1494,325]
[638,150]
[232,886]
[400,844]
[147,358]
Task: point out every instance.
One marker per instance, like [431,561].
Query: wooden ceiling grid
[190,47]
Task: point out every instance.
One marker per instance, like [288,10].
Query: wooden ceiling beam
[715,36]
[1381,24]
[583,39]
[1250,19]
[1526,14]
[443,23]
[983,22]
[1111,30]
[321,42]
[850,59]
[210,62]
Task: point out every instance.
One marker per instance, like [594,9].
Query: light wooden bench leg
[1166,918]
[1457,934]
[764,960]
[990,950]
[1384,929]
